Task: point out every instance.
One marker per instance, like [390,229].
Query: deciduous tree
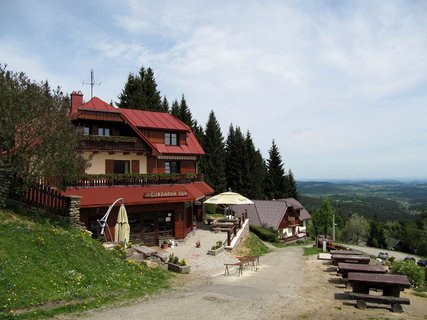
[36,137]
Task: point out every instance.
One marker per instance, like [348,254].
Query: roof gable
[98,105]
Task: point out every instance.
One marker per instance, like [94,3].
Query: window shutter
[135,166]
[109,166]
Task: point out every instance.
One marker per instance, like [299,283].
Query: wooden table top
[346,252]
[383,279]
[373,268]
[349,256]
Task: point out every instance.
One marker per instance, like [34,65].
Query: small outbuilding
[287,216]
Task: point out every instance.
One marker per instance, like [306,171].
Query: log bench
[228,265]
[362,298]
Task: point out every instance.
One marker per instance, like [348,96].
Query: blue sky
[340,85]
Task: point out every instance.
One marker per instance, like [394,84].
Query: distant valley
[384,199]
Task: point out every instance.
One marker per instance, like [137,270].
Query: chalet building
[147,158]
[286,216]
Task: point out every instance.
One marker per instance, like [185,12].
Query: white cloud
[336,84]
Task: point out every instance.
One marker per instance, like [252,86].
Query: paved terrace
[198,258]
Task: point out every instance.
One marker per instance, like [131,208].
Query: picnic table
[345,268]
[243,260]
[391,285]
[337,258]
[347,252]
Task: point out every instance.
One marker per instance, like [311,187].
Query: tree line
[406,236]
[230,163]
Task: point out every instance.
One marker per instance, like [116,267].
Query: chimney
[76,101]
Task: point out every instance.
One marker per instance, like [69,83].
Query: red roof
[141,119]
[97,104]
[137,195]
[154,120]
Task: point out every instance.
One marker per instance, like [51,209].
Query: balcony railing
[112,143]
[134,180]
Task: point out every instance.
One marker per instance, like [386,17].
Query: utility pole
[91,83]
[333,226]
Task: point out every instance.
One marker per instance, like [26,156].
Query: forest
[384,214]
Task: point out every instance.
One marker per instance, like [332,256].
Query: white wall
[97,161]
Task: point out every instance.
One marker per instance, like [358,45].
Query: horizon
[339,86]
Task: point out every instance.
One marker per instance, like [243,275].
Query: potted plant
[176,265]
[165,244]
[216,249]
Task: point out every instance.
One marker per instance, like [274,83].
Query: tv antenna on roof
[91,83]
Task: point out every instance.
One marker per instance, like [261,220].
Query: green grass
[420,292]
[49,267]
[252,246]
[312,250]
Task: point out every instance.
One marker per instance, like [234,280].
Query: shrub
[264,233]
[171,258]
[183,262]
[415,273]
[219,244]
[175,260]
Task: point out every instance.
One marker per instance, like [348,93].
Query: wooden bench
[252,260]
[227,270]
[220,229]
[362,298]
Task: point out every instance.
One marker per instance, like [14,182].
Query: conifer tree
[254,170]
[175,110]
[235,151]
[165,105]
[275,179]
[185,113]
[213,164]
[292,190]
[140,92]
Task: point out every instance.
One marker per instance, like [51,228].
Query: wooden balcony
[134,180]
[112,143]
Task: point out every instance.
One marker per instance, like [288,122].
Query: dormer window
[104,131]
[171,139]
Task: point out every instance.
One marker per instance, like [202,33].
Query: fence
[42,196]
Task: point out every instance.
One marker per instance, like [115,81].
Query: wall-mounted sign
[163,194]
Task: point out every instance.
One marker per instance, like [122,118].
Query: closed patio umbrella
[122,229]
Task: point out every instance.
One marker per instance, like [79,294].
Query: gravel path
[255,295]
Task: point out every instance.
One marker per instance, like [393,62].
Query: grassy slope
[43,260]
[252,246]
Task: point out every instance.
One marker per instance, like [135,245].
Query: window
[171,167]
[171,139]
[104,132]
[121,166]
[86,130]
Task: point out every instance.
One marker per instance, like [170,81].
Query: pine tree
[185,113]
[235,157]
[292,190]
[275,179]
[213,164]
[253,170]
[140,92]
[175,110]
[165,105]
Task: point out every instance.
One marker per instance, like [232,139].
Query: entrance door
[149,231]
[135,227]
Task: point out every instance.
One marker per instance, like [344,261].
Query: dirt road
[286,286]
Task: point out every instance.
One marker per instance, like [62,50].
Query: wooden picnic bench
[227,270]
[345,268]
[346,252]
[252,260]
[391,285]
[337,258]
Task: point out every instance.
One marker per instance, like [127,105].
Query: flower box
[177,268]
[216,251]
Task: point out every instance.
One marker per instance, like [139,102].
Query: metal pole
[333,226]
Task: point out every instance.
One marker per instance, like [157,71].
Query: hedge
[264,233]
